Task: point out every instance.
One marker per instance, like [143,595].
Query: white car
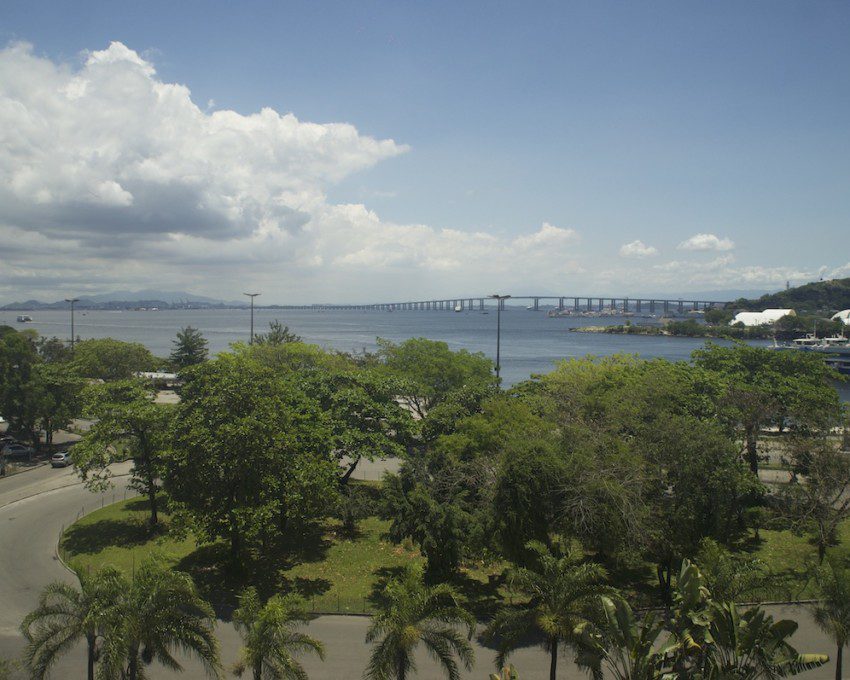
[61,459]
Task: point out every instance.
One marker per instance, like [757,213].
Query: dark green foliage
[190,348]
[251,454]
[823,296]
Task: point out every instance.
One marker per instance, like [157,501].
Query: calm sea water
[531,341]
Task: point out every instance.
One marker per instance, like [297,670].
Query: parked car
[18,451]
[61,459]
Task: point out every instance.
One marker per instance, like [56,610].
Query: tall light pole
[72,301]
[252,296]
[499,301]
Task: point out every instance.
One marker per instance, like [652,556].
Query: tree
[431,371]
[412,613]
[277,335]
[832,609]
[53,350]
[271,643]
[128,424]
[763,386]
[190,348]
[251,453]
[158,613]
[110,359]
[65,615]
[821,501]
[56,395]
[361,409]
[18,405]
[564,599]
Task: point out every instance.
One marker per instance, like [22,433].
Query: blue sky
[576,127]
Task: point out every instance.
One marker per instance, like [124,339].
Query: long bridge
[575,303]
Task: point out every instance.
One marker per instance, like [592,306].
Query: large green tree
[763,386]
[412,614]
[431,371]
[109,359]
[18,402]
[251,453]
[128,424]
[271,643]
[56,393]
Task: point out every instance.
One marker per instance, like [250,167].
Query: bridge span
[562,303]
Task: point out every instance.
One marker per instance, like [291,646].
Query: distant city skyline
[346,152]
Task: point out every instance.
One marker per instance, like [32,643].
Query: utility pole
[72,301]
[252,296]
[499,301]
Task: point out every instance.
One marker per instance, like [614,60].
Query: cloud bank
[112,178]
[109,175]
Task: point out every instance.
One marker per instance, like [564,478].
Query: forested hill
[820,296]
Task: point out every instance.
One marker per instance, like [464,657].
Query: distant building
[767,317]
[843,316]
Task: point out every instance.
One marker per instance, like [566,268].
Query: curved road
[36,505]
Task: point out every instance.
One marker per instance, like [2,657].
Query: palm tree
[270,641]
[832,613]
[65,615]
[412,613]
[160,613]
[564,597]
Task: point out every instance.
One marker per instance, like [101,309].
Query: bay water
[532,342]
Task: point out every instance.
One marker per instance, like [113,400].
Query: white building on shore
[843,316]
[767,317]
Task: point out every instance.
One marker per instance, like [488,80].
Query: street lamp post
[72,301]
[252,296]
[499,301]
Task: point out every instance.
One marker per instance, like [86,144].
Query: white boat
[458,308]
[24,318]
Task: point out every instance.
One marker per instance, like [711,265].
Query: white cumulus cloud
[111,176]
[637,249]
[706,242]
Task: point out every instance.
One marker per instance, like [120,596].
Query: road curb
[56,552]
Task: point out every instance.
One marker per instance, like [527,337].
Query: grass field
[332,570]
[337,572]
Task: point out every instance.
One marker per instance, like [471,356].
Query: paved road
[35,505]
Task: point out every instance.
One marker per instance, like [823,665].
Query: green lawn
[333,571]
[336,572]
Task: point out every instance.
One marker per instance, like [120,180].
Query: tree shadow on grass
[220,580]
[96,536]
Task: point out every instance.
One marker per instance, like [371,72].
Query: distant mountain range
[130,300]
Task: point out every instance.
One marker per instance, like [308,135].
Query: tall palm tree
[270,641]
[159,614]
[564,599]
[832,613]
[414,613]
[67,614]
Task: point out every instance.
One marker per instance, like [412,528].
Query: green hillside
[821,296]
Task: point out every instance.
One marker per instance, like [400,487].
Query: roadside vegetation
[548,512]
